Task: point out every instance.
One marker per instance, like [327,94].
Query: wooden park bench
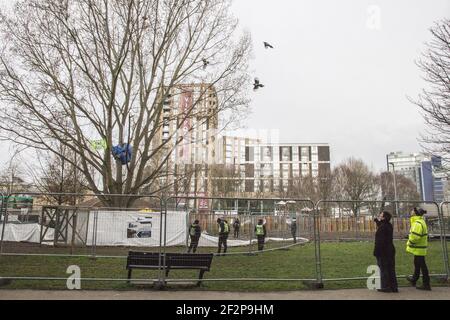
[174,261]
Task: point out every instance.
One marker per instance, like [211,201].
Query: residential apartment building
[270,169]
[203,163]
[188,127]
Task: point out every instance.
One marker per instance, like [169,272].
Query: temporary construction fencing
[44,239]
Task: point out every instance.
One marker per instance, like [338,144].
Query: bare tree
[325,185]
[406,188]
[52,174]
[12,176]
[434,101]
[186,182]
[314,188]
[108,67]
[304,187]
[225,179]
[355,181]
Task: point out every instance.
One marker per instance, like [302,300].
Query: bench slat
[173,260]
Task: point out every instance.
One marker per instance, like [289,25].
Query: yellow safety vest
[259,230]
[418,237]
[226,228]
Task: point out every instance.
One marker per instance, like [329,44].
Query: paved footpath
[353,294]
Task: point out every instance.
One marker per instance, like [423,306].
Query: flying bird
[205,64]
[257,85]
[268,45]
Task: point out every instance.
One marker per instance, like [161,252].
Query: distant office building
[438,178]
[426,172]
[407,165]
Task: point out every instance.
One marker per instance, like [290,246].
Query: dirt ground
[351,294]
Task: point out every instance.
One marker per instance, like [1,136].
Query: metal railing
[313,222]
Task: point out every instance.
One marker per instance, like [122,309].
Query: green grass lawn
[339,260]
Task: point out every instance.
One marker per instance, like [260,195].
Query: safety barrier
[99,239]
[278,225]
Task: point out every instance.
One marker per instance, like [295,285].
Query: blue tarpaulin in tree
[123,153]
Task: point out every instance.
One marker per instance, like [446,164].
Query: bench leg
[129,275]
[200,277]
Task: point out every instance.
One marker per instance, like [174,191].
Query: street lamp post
[395,187]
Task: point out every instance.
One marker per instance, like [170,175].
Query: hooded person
[195,233]
[385,252]
[294,229]
[236,227]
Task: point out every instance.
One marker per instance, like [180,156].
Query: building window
[266,170]
[305,169]
[295,157]
[324,154]
[249,185]
[266,154]
[250,154]
[286,154]
[305,154]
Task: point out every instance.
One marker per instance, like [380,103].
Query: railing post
[5,219]
[318,258]
[165,245]
[94,235]
[188,228]
[250,233]
[443,238]
[161,259]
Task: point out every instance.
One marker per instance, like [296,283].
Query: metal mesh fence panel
[347,232]
[46,230]
[42,242]
[445,216]
[256,263]
[332,241]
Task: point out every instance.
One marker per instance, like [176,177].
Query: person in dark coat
[236,228]
[294,229]
[195,233]
[385,252]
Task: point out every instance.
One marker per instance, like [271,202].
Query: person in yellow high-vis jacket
[224,230]
[418,246]
[261,233]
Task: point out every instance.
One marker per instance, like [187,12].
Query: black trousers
[421,266]
[194,244]
[236,233]
[261,241]
[294,235]
[387,272]
[223,242]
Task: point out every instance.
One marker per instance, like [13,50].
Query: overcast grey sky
[338,76]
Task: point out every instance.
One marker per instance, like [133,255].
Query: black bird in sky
[268,45]
[205,64]
[257,84]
